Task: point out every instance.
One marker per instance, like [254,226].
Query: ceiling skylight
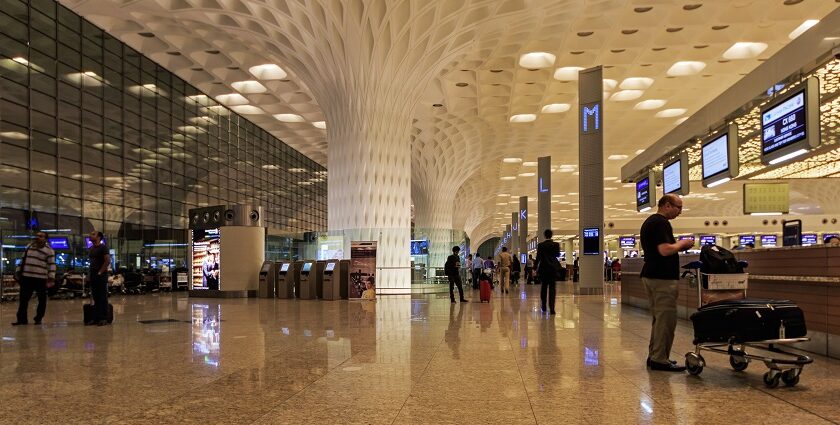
[670,113]
[268,71]
[636,83]
[320,124]
[650,104]
[537,60]
[232,99]
[248,87]
[744,50]
[625,95]
[683,68]
[567,73]
[523,118]
[289,117]
[554,108]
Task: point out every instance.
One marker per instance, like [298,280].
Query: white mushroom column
[433,221]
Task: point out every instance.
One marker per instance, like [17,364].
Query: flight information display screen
[784,124]
[591,241]
[627,242]
[643,192]
[716,156]
[809,239]
[708,240]
[769,240]
[746,239]
[671,176]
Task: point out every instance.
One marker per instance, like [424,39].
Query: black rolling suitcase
[748,320]
[88,313]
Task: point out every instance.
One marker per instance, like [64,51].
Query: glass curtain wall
[95,136]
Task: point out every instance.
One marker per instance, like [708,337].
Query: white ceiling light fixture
[609,84]
[684,68]
[507,178]
[289,117]
[625,95]
[650,104]
[537,60]
[512,160]
[680,121]
[247,109]
[554,108]
[744,50]
[805,26]
[670,113]
[640,151]
[232,99]
[617,157]
[527,174]
[636,83]
[320,124]
[529,164]
[521,118]
[567,73]
[268,71]
[248,87]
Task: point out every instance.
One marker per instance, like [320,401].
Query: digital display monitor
[89,244]
[827,236]
[769,241]
[675,176]
[284,268]
[627,242]
[708,240]
[206,259]
[59,243]
[307,267]
[684,237]
[329,267]
[591,241]
[645,193]
[523,258]
[791,232]
[719,157]
[809,239]
[746,239]
[420,247]
[790,124]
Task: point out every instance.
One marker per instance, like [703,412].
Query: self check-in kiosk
[287,274]
[268,277]
[335,277]
[310,279]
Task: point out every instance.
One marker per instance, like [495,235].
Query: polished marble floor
[420,359]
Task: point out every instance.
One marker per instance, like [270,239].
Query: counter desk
[808,276]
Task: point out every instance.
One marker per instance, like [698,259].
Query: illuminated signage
[590,115]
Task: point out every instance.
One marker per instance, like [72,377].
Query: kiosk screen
[330,267]
[307,267]
[284,268]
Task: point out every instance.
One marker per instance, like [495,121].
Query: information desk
[808,276]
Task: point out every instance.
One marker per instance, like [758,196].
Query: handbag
[19,269]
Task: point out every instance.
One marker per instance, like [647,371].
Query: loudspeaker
[207,218]
[244,215]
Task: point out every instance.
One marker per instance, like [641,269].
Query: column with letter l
[543,195]
[523,221]
[591,179]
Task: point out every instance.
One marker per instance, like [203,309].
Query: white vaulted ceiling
[663,59]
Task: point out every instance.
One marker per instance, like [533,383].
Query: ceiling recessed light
[683,68]
[248,87]
[507,178]
[437,105]
[247,109]
[792,2]
[537,60]
[670,113]
[609,84]
[527,174]
[495,71]
[554,108]
[289,118]
[694,6]
[650,104]
[520,118]
[212,52]
[617,50]
[805,26]
[636,83]
[617,157]
[232,99]
[625,95]
[744,50]
[268,71]
[320,124]
[173,53]
[512,160]
[567,73]
[674,29]
[146,34]
[529,164]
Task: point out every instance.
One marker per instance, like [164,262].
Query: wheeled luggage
[748,320]
[486,290]
[88,313]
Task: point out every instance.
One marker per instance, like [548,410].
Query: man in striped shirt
[37,273]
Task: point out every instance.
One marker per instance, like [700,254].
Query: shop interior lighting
[529,164]
[507,178]
[529,174]
[512,160]
[683,68]
[617,157]
[268,71]
[744,50]
[537,60]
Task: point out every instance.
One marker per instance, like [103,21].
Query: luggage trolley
[783,365]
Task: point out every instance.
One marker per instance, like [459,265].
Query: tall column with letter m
[591,152]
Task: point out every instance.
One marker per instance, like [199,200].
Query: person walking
[505,261]
[660,274]
[478,263]
[37,273]
[547,269]
[452,270]
[515,270]
[99,261]
[469,268]
[529,270]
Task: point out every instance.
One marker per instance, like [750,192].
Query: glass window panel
[69,168]
[43,122]
[92,192]
[14,28]
[69,131]
[14,113]
[14,91]
[15,155]
[44,143]
[45,84]
[69,187]
[13,177]
[92,210]
[43,103]
[69,206]
[92,120]
[68,56]
[69,112]
[44,202]
[42,23]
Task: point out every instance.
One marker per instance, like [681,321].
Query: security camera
[836,52]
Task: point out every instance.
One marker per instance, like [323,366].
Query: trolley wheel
[738,363]
[694,363]
[790,377]
[771,379]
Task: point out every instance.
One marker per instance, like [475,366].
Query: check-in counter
[808,276]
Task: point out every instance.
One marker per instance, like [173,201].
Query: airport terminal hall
[420,212]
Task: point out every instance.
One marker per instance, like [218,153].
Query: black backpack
[718,260]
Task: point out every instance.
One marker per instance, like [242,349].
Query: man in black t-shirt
[99,260]
[660,275]
[548,268]
[451,268]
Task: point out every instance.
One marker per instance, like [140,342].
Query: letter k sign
[523,214]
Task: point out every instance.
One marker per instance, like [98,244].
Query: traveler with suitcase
[99,260]
[453,273]
[660,275]
[35,274]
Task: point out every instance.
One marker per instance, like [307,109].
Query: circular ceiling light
[650,104]
[289,117]
[520,118]
[554,108]
[537,60]
[512,160]
[670,113]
